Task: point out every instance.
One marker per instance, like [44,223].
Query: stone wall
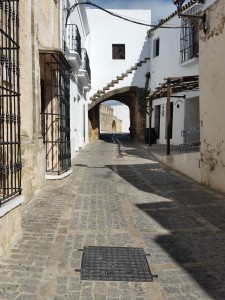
[109,122]
[39,30]
[10,229]
[131,96]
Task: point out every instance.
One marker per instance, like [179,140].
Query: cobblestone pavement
[119,195]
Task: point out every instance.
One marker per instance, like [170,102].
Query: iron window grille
[10,119]
[73,38]
[85,62]
[55,111]
[189,45]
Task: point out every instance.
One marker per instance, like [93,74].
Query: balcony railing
[73,42]
[85,62]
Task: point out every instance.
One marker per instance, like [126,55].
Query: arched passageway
[133,97]
[113,126]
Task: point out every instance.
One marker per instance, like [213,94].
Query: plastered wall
[212,97]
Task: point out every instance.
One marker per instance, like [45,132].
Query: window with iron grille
[10,147]
[188,40]
[73,38]
[55,111]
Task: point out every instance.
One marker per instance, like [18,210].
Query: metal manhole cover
[115,264]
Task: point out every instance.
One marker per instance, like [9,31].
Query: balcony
[73,46]
[85,72]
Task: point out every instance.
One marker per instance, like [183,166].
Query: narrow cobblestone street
[119,195]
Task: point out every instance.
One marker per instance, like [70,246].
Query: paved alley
[119,195]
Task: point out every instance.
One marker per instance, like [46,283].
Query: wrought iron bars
[73,38]
[55,111]
[10,146]
[188,40]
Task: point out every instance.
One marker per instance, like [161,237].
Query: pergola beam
[172,85]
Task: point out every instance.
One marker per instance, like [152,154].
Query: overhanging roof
[176,84]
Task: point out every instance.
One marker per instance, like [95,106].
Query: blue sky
[160,8]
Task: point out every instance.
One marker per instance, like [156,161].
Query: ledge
[84,79]
[11,204]
[189,62]
[58,177]
[74,59]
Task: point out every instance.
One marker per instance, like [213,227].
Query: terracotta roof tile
[161,22]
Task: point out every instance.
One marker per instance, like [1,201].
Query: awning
[172,85]
[176,84]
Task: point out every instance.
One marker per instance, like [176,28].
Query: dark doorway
[171,121]
[157,120]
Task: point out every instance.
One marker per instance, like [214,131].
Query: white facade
[174,53]
[80,79]
[107,30]
[186,112]
[166,62]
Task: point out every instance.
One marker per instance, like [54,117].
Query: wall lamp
[179,4]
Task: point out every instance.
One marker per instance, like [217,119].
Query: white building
[174,85]
[76,46]
[174,53]
[115,46]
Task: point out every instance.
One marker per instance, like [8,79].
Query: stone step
[93,98]
[105,88]
[99,92]
[138,64]
[121,77]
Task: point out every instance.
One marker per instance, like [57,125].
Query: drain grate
[115,264]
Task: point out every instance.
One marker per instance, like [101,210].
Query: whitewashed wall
[212,104]
[107,30]
[167,64]
[78,95]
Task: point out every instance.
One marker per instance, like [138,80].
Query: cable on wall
[71,9]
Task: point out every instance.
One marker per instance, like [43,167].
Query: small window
[156,47]
[118,51]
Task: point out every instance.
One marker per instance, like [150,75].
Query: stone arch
[133,97]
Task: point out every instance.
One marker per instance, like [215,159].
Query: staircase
[99,93]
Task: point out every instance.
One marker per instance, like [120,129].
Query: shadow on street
[194,215]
